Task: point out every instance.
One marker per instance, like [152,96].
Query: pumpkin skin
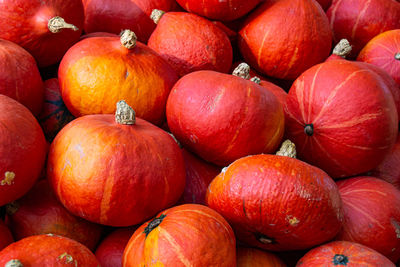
[26,24]
[366,220]
[188,235]
[277,202]
[359,21]
[343,253]
[22,150]
[219,10]
[97,72]
[222,117]
[251,257]
[55,114]
[20,78]
[39,212]
[48,250]
[342,134]
[114,16]
[191,43]
[100,169]
[384,51]
[283,38]
[6,237]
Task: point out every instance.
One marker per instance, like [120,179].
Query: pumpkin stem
[309,129]
[153,224]
[340,259]
[56,24]
[288,149]
[397,56]
[256,80]
[156,15]
[242,71]
[342,49]
[125,114]
[14,263]
[128,39]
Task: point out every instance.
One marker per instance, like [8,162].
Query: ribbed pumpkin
[371,213]
[97,72]
[6,237]
[39,212]
[384,51]
[46,28]
[343,253]
[22,150]
[190,43]
[251,257]
[283,38]
[47,250]
[222,117]
[116,171]
[185,235]
[277,202]
[342,117]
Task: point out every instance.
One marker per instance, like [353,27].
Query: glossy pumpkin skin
[359,21]
[98,72]
[343,253]
[191,43]
[222,117]
[384,51]
[283,38]
[350,135]
[54,115]
[371,212]
[22,150]
[117,15]
[276,202]
[19,77]
[188,235]
[39,212]
[6,237]
[251,257]
[110,173]
[48,250]
[26,23]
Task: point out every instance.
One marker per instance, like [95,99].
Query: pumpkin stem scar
[8,178]
[397,56]
[56,24]
[340,259]
[153,224]
[309,129]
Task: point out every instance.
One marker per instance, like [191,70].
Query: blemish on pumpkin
[8,178]
[78,147]
[193,139]
[67,259]
[293,221]
[397,228]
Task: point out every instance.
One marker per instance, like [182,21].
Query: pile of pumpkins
[199,133]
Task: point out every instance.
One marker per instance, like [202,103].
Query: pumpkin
[219,10]
[384,51]
[39,212]
[6,237]
[110,250]
[54,115]
[20,78]
[97,72]
[283,38]
[97,34]
[334,130]
[277,202]
[190,43]
[47,250]
[251,257]
[359,21]
[22,150]
[109,169]
[185,235]
[371,212]
[343,253]
[46,28]
[222,117]
[114,16]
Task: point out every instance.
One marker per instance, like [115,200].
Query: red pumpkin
[384,51]
[277,202]
[283,38]
[342,117]
[47,250]
[6,237]
[359,21]
[46,28]
[343,253]
[251,257]
[39,212]
[190,43]
[371,213]
[109,170]
[185,235]
[22,150]
[114,16]
[222,117]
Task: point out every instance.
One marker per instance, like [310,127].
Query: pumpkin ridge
[354,29]
[311,94]
[176,247]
